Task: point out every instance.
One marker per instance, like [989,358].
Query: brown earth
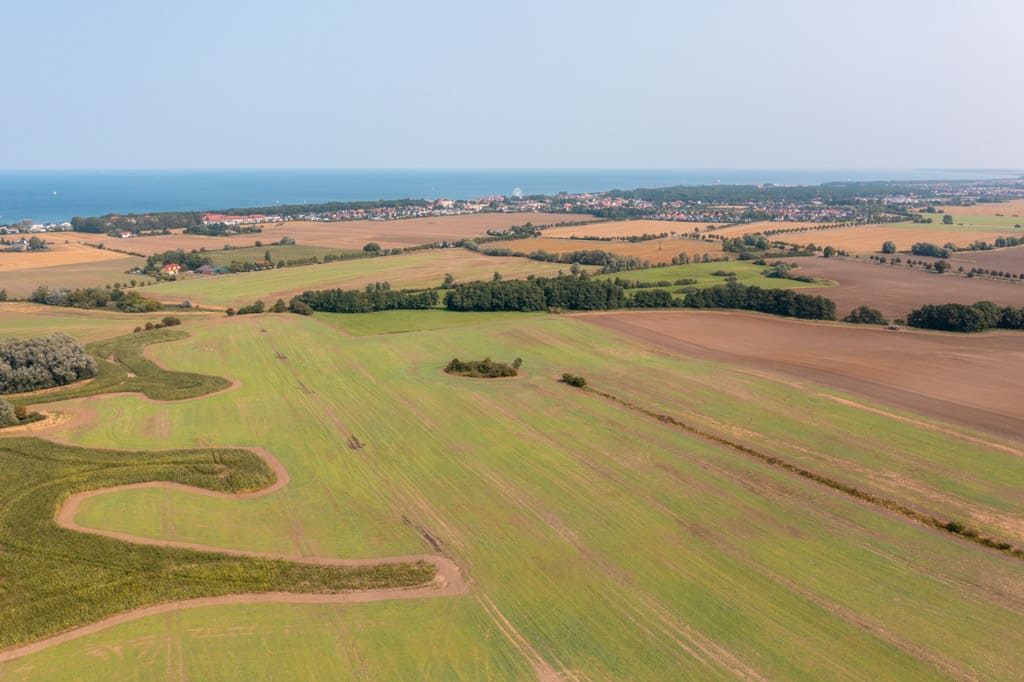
[898,289]
[1007,260]
[970,380]
[623,228]
[58,253]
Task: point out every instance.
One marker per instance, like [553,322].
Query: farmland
[654,250]
[23,281]
[598,541]
[897,289]
[423,269]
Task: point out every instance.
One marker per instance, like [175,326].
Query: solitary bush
[170,321]
[7,414]
[298,307]
[43,362]
[573,380]
[865,315]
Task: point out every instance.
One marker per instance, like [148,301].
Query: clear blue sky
[341,84]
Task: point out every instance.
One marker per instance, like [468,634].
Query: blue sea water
[55,196]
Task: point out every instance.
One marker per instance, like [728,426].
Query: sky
[527,84]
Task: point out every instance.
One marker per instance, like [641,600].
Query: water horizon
[45,196]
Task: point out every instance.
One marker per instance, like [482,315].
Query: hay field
[420,269]
[654,250]
[57,253]
[601,543]
[622,228]
[1014,208]
[22,282]
[24,320]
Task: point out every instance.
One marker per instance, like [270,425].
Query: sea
[46,196]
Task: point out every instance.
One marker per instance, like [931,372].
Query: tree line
[119,299]
[783,302]
[376,296]
[957,317]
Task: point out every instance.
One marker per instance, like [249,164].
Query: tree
[36,244]
[828,252]
[7,415]
[865,315]
[947,219]
[373,248]
[889,247]
[449,280]
[940,266]
[266,257]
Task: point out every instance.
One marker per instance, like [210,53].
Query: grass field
[654,250]
[598,541]
[28,319]
[414,270]
[746,273]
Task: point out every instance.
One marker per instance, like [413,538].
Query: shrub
[299,308]
[573,380]
[484,369]
[865,315]
[7,414]
[170,321]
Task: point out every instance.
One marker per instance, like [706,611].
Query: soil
[967,380]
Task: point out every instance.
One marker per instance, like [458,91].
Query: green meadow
[599,542]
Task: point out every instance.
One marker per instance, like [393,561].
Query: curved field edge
[124,367]
[57,577]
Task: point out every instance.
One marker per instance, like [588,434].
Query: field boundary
[950,526]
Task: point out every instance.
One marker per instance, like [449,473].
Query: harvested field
[1010,259]
[622,228]
[869,238]
[1005,208]
[22,282]
[655,250]
[897,289]
[953,377]
[57,253]
[422,269]
[344,235]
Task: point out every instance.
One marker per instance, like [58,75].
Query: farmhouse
[170,269]
[20,245]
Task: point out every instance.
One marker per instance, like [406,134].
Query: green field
[746,273]
[416,270]
[598,541]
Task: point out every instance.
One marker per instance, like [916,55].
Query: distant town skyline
[310,84]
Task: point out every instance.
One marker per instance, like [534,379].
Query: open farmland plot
[344,235]
[24,320]
[600,542]
[745,272]
[654,250]
[22,282]
[897,289]
[617,229]
[1005,260]
[423,269]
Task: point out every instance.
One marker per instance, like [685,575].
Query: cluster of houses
[174,269]
[20,245]
[28,227]
[251,219]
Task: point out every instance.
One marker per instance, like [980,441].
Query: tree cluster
[773,301]
[956,317]
[154,222]
[865,315]
[117,298]
[483,369]
[377,296]
[570,292]
[933,250]
[42,362]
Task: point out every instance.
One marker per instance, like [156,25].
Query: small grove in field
[116,298]
[42,362]
[57,578]
[483,369]
[957,317]
[11,415]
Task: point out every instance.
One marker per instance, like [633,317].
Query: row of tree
[569,292]
[773,301]
[957,317]
[42,362]
[377,296]
[119,299]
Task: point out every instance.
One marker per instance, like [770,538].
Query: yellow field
[58,253]
[623,228]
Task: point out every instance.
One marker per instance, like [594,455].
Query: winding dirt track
[448,579]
